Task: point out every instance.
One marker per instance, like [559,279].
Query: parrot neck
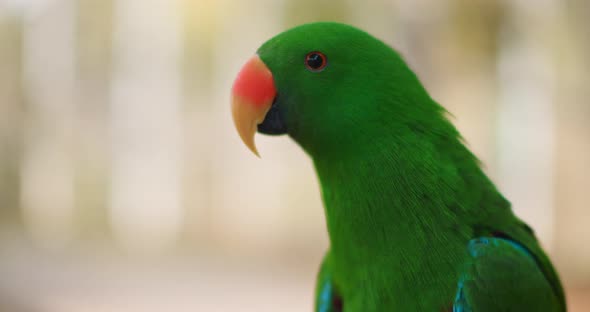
[392,201]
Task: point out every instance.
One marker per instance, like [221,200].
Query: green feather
[500,272]
[403,195]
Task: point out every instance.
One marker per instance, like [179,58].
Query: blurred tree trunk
[203,21]
[146,209]
[94,46]
[526,114]
[572,48]
[10,118]
[47,168]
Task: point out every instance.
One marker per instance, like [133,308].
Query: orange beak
[252,95]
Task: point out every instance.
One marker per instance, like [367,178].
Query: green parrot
[413,221]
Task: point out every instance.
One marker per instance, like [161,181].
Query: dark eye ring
[316,61]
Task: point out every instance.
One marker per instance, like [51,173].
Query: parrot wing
[502,275]
[327,298]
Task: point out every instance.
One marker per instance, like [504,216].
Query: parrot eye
[315,61]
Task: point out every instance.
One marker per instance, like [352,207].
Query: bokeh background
[124,187]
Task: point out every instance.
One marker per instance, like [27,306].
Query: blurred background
[124,187]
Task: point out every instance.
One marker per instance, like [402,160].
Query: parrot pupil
[315,61]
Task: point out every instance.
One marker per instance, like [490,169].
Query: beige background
[124,187]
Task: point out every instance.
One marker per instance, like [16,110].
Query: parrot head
[332,87]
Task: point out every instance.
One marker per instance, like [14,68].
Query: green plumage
[404,198]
